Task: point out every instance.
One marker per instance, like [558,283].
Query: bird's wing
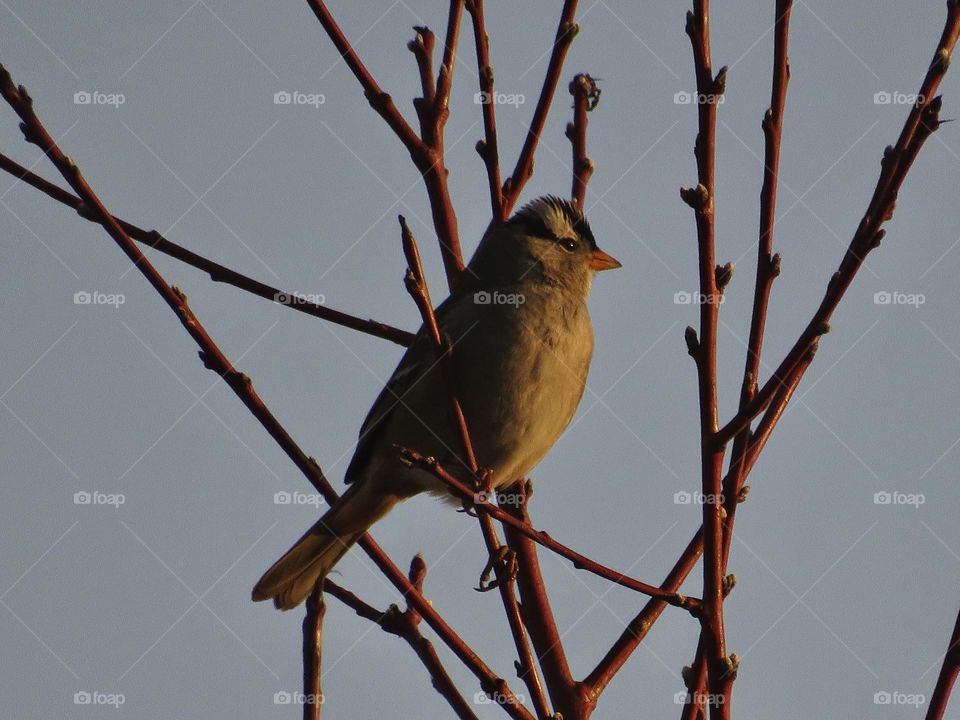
[417,360]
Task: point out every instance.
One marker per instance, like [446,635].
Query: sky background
[838,597]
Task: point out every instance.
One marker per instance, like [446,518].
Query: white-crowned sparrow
[522,342]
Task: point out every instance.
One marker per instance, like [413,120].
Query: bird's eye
[568,244]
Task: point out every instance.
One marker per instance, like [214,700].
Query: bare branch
[566,31]
[217,272]
[586,95]
[948,676]
[487,148]
[313,653]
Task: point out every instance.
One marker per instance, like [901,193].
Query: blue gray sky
[840,596]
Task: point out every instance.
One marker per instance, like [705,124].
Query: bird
[522,341]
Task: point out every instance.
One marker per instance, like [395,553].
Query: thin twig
[768,264]
[217,272]
[581,562]
[402,625]
[702,199]
[487,148]
[313,653]
[921,122]
[586,95]
[948,676]
[426,149]
[566,31]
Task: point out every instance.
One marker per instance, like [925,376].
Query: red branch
[217,272]
[405,625]
[487,148]
[922,121]
[215,360]
[768,264]
[313,653]
[566,31]
[586,95]
[704,352]
[426,149]
[948,676]
[581,562]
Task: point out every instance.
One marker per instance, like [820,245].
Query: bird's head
[548,240]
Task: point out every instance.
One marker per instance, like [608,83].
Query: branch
[566,31]
[586,96]
[426,150]
[701,199]
[948,676]
[921,122]
[215,360]
[313,653]
[405,625]
[581,562]
[487,148]
[217,272]
[417,287]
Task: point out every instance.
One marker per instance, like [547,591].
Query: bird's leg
[504,561]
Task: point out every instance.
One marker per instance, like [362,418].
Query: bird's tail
[292,577]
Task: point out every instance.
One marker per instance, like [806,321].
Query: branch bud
[723,274]
[742,495]
[693,345]
[729,582]
[697,197]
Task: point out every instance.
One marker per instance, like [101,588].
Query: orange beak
[599,260]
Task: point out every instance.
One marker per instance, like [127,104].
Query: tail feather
[293,576]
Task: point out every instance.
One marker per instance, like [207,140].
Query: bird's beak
[599,260]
